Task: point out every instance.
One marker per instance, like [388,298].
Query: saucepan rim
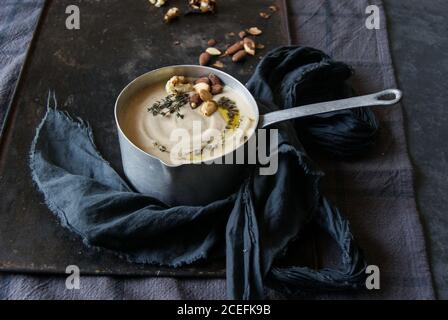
[220,74]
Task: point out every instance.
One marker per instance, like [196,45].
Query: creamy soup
[187,120]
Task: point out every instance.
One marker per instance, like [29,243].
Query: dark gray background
[418,35]
[419,46]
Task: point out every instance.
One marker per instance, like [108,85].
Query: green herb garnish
[169,105]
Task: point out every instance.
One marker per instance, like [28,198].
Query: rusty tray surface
[118,40]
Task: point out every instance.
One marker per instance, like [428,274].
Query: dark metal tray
[87,68]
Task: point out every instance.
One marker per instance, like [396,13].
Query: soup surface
[188,120]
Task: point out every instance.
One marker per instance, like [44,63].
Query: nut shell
[249,46]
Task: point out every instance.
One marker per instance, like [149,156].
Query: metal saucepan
[199,184]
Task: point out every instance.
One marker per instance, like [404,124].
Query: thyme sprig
[169,105]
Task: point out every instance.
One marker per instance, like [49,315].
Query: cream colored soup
[189,136]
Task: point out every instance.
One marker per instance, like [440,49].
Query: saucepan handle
[384,98]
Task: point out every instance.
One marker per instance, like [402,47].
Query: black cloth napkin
[257,222]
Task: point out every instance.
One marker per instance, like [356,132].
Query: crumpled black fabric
[257,222]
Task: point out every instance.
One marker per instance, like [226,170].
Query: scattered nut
[213,51]
[273,8]
[201,86]
[205,95]
[195,100]
[204,59]
[202,6]
[209,107]
[230,34]
[218,64]
[214,79]
[158,3]
[265,15]
[260,46]
[217,89]
[242,34]
[211,42]
[240,55]
[249,46]
[254,31]
[171,14]
[234,48]
[176,43]
[204,80]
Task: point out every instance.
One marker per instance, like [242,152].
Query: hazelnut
[214,79]
[195,100]
[204,59]
[209,107]
[217,89]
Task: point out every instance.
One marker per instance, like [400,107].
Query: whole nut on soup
[209,107]
[214,79]
[217,89]
[201,86]
[249,46]
[203,79]
[171,14]
[234,48]
[195,100]
[239,56]
[205,95]
[204,59]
